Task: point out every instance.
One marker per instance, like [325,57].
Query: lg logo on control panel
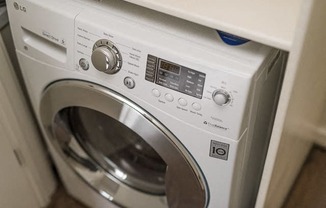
[19,7]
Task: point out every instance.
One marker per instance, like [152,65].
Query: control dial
[221,97]
[106,57]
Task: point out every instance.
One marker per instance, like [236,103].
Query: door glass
[117,149]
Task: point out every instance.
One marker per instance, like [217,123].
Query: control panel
[201,93]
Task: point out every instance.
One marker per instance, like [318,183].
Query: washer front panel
[220,174]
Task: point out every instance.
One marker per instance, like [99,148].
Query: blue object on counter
[232,39]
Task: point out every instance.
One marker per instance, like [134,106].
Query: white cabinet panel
[272,22]
[15,190]
[28,183]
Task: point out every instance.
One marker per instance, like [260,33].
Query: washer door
[120,150]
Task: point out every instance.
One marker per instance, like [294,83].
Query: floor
[62,200]
[308,191]
[310,187]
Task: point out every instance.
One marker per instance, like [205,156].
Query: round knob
[106,57]
[221,97]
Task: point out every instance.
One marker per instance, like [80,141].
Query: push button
[156,93]
[129,82]
[182,102]
[83,63]
[196,106]
[169,97]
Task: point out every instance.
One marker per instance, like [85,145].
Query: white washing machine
[140,109]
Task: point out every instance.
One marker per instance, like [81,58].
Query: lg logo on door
[19,7]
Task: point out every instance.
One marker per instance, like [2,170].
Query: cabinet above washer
[269,22]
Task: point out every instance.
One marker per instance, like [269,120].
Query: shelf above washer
[271,22]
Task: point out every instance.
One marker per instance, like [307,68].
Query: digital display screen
[169,67]
[175,77]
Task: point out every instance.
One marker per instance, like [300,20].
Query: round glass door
[119,149]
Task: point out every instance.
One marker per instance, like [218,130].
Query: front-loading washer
[140,109]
